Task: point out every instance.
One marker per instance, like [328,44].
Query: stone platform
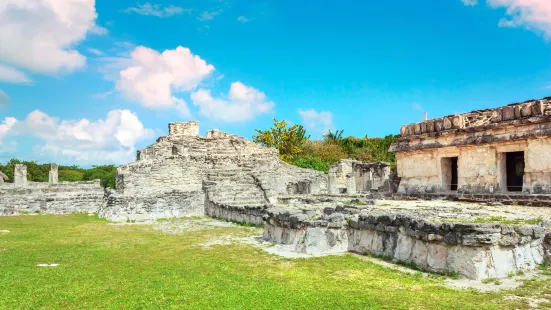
[473,240]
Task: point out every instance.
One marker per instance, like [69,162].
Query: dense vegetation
[296,147]
[40,172]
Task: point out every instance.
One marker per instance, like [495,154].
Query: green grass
[135,267]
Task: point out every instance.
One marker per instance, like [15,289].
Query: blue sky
[85,82]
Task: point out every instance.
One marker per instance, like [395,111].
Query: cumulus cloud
[40,35]
[112,139]
[6,127]
[531,14]
[470,2]
[4,98]
[243,103]
[157,10]
[12,75]
[153,78]
[317,121]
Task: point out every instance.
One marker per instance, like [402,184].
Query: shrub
[311,163]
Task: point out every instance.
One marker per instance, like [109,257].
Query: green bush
[311,163]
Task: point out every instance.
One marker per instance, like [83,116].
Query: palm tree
[333,137]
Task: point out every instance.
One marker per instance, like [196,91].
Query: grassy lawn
[136,267]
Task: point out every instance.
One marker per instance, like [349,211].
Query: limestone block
[419,253]
[430,126]
[470,262]
[448,123]
[538,108]
[404,130]
[437,256]
[438,124]
[411,130]
[417,128]
[458,121]
[423,127]
[497,115]
[502,262]
[526,110]
[508,113]
[404,247]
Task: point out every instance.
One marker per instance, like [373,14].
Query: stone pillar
[20,175]
[351,184]
[54,176]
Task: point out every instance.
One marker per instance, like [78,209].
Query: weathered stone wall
[60,198]
[475,251]
[351,177]
[223,168]
[480,140]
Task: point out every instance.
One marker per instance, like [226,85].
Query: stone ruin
[53,197]
[495,151]
[231,178]
[184,174]
[351,177]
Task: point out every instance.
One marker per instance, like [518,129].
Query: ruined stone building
[502,150]
[53,197]
[351,177]
[183,172]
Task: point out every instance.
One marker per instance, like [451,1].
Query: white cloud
[153,78]
[157,10]
[111,140]
[4,98]
[6,126]
[95,51]
[317,121]
[243,103]
[206,15]
[12,75]
[532,14]
[40,35]
[243,19]
[470,2]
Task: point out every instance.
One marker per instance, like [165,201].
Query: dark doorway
[515,171]
[454,178]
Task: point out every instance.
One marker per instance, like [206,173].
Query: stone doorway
[514,162]
[450,173]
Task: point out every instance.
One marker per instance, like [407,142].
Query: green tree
[333,137]
[289,141]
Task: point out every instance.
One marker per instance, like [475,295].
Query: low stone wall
[252,215]
[61,198]
[474,251]
[124,208]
